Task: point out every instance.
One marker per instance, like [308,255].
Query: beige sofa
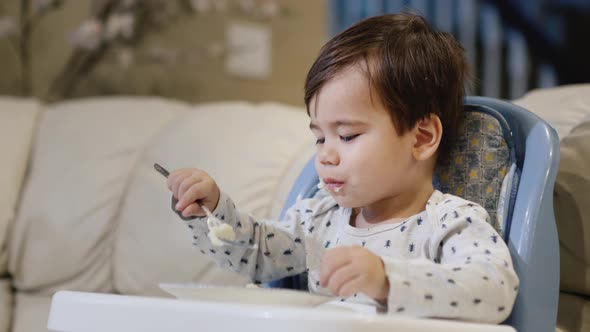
[81,207]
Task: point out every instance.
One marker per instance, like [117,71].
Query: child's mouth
[333,185]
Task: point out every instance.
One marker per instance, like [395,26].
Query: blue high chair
[518,166]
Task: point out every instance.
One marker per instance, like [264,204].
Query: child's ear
[427,133]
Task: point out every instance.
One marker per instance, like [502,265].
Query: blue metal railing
[512,46]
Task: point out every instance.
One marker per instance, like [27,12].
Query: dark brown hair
[414,69]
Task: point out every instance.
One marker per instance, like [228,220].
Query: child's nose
[328,155]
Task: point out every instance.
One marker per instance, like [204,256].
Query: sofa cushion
[31,312]
[563,107]
[17,124]
[573,313]
[248,149]
[572,211]
[83,155]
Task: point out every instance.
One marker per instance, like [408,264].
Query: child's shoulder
[453,213]
[449,202]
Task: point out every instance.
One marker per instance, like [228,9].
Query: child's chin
[343,202]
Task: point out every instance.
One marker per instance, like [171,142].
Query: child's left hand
[349,270]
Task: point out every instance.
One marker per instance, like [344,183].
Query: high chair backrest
[506,160]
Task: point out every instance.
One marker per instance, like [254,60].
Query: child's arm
[275,250]
[279,247]
[469,274]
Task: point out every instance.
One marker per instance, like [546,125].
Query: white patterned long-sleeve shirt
[446,261]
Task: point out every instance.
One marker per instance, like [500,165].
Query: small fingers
[343,276]
[193,193]
[174,180]
[193,186]
[333,260]
[192,210]
[186,191]
[180,181]
[351,287]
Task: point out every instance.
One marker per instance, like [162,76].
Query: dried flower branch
[120,24]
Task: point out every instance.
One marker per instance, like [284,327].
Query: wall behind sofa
[297,36]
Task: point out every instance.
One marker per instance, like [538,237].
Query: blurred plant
[119,25]
[19,34]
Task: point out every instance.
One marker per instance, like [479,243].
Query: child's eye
[349,138]
[320,141]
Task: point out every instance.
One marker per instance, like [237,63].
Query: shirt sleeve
[467,273]
[279,248]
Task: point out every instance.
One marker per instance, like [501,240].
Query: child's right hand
[190,185]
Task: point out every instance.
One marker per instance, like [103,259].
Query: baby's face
[360,158]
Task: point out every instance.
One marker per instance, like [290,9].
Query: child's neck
[392,210]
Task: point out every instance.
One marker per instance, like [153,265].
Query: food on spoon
[221,232]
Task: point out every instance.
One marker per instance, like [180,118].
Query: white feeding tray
[94,312]
[247,295]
